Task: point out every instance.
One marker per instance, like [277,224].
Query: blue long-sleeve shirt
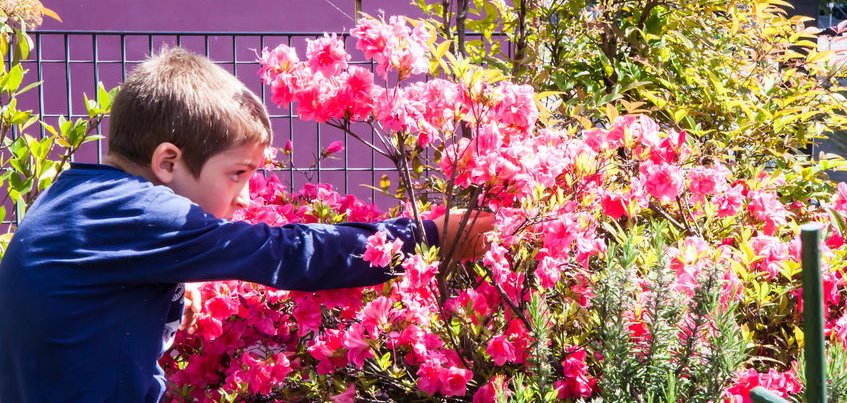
[92,280]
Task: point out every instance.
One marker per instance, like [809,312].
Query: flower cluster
[27,12]
[561,197]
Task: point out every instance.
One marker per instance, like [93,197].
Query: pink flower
[454,381]
[784,384]
[376,314]
[488,392]
[470,303]
[260,375]
[560,233]
[327,55]
[281,59]
[839,200]
[521,339]
[687,264]
[310,103]
[832,284]
[496,258]
[379,251]
[358,348]
[729,201]
[373,37]
[636,131]
[356,93]
[307,313]
[772,252]
[500,350]
[418,272]
[332,148]
[348,396]
[517,107]
[706,181]
[221,306]
[393,45]
[328,349]
[281,367]
[422,343]
[202,368]
[209,328]
[638,330]
[602,140]
[549,270]
[839,330]
[766,208]
[578,383]
[614,205]
[428,378]
[662,181]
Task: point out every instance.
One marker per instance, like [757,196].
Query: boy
[91,283]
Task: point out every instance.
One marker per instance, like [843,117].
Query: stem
[657,208]
[92,124]
[402,165]
[346,128]
[688,229]
[690,214]
[508,300]
[520,40]
[461,16]
[452,337]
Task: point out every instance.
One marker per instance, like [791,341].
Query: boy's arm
[190,246]
[193,246]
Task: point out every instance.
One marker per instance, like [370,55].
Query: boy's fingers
[196,299]
[193,306]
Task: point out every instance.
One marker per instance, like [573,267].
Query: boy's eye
[236,176]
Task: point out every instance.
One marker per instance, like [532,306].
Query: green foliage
[33,161]
[836,371]
[726,72]
[689,350]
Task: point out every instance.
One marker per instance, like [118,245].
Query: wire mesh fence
[70,64]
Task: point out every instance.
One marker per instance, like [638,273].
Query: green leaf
[384,361]
[442,49]
[384,183]
[76,134]
[24,44]
[20,117]
[13,79]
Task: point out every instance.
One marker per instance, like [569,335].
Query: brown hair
[180,97]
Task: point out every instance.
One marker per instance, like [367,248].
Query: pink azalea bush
[576,210]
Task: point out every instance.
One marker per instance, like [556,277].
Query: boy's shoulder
[97,184]
[88,192]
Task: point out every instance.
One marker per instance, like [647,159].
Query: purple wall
[69,74]
[217,15]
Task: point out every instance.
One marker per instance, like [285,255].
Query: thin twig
[655,207]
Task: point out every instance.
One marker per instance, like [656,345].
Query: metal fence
[71,63]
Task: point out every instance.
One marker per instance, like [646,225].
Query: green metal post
[813,314]
[762,395]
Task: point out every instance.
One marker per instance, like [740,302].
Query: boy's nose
[243,198]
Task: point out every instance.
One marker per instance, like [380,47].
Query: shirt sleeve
[192,245]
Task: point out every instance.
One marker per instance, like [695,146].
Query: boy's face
[223,184]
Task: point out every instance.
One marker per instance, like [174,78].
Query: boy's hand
[191,308]
[471,243]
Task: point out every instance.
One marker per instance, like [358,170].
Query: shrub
[629,262]
[726,72]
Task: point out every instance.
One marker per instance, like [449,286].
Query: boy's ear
[166,160]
